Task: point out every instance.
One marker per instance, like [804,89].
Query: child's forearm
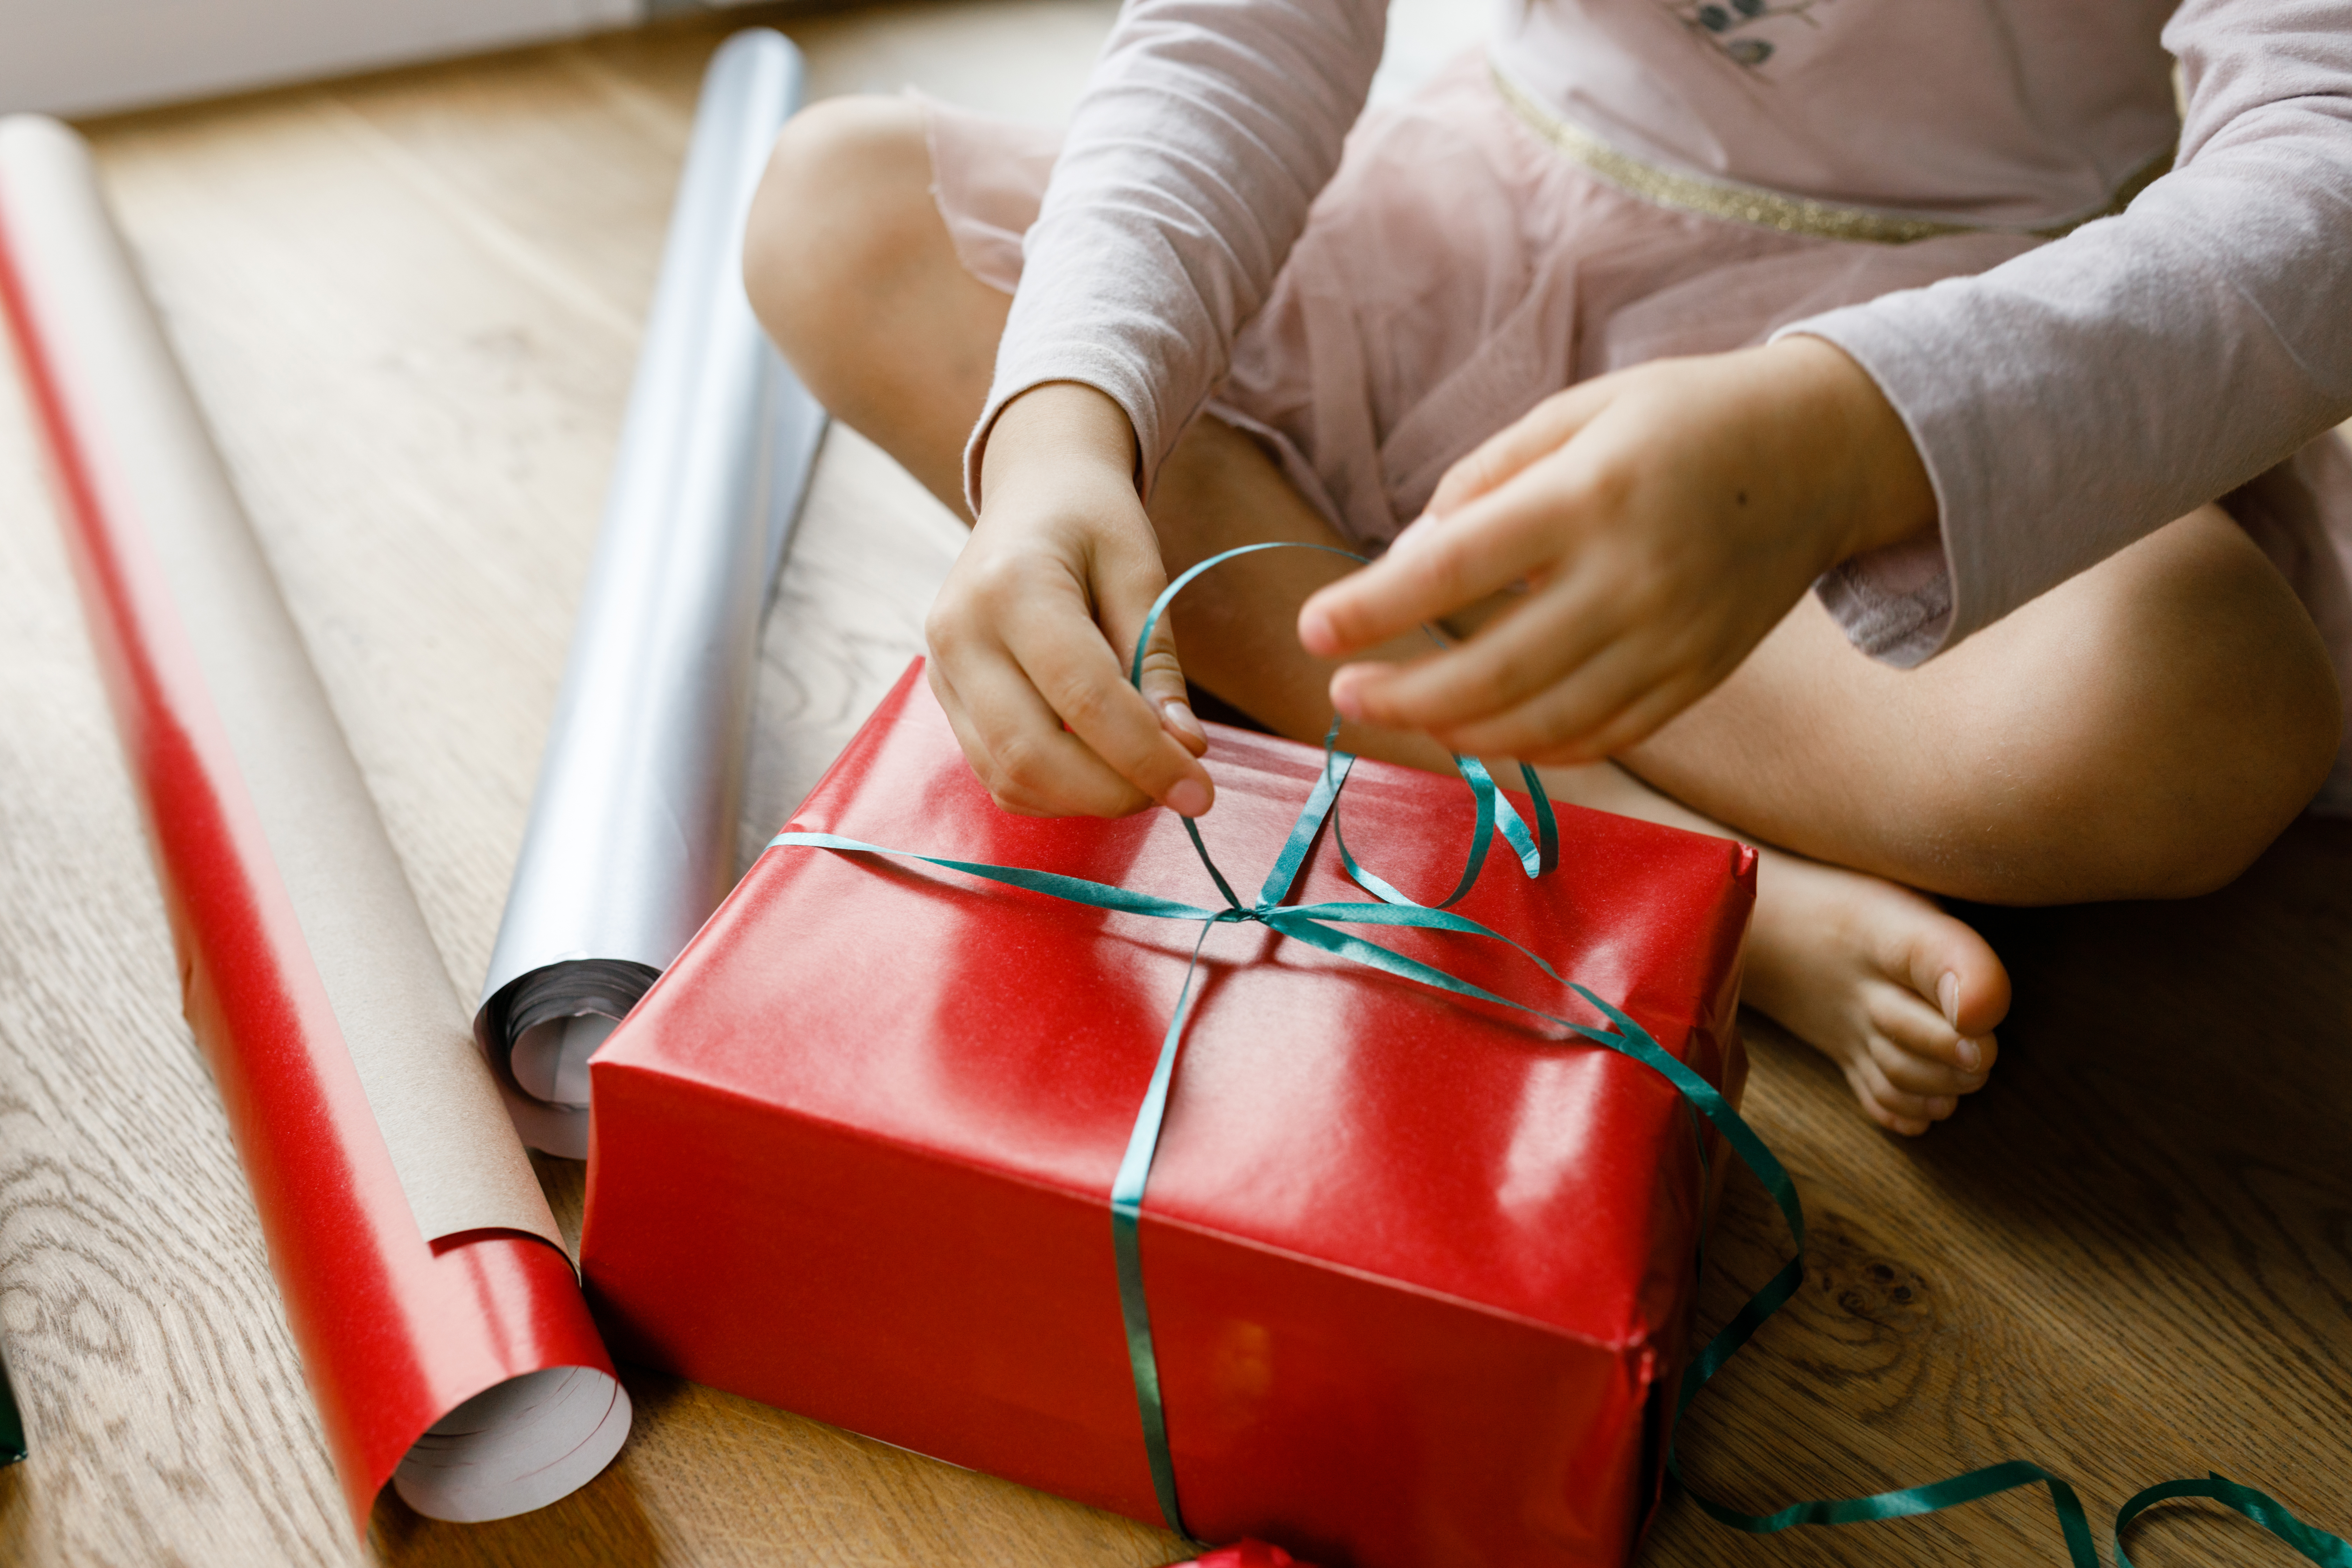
[1049,428]
[1887,496]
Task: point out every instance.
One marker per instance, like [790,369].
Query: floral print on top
[1744,31]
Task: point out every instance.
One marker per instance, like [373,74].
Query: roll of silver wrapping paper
[630,843]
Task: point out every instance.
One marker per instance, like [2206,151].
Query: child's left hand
[1662,521]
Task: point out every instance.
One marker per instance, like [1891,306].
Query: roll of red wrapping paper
[439,1323]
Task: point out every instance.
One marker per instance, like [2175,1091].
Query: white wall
[82,57]
[89,56]
[1423,37]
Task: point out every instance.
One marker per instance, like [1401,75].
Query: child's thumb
[1164,689]
[1127,583]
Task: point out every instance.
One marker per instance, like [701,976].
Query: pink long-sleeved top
[2066,402]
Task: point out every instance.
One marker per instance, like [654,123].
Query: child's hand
[1661,522]
[1034,628]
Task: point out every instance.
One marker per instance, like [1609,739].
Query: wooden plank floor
[411,305]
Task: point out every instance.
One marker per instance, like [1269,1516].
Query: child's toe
[1891,1105]
[1904,1023]
[1915,1074]
[1893,1120]
[1956,973]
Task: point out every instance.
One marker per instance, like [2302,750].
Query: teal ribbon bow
[1318,925]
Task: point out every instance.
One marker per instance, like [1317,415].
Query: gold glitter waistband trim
[1773,209]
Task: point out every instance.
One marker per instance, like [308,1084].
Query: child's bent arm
[2058,407]
[1206,130]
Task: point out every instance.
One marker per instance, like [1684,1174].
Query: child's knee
[2218,723]
[2273,718]
[2268,712]
[848,180]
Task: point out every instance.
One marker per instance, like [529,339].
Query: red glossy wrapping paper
[394,1330]
[1420,1275]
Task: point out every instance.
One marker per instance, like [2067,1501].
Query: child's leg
[2143,729]
[852,272]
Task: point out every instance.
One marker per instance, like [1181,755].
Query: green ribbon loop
[2005,1476]
[1293,858]
[2318,1545]
[1318,926]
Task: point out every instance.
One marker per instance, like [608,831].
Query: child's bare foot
[1901,996]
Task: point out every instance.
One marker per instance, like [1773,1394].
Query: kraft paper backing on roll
[440,1325]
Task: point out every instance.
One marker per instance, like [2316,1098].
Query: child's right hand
[1031,633]
[1656,523]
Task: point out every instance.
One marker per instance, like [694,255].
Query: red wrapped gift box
[1420,1269]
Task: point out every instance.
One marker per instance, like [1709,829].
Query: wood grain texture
[2129,1258]
[411,305]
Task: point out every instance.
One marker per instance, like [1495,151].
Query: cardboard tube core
[516,1446]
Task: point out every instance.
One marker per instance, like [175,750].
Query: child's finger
[1508,661]
[1496,460]
[1071,665]
[1449,564]
[1165,691]
[1575,719]
[1019,750]
[1126,590]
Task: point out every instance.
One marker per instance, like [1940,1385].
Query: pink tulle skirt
[1459,269]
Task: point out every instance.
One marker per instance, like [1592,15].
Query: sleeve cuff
[1896,603]
[1143,415]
